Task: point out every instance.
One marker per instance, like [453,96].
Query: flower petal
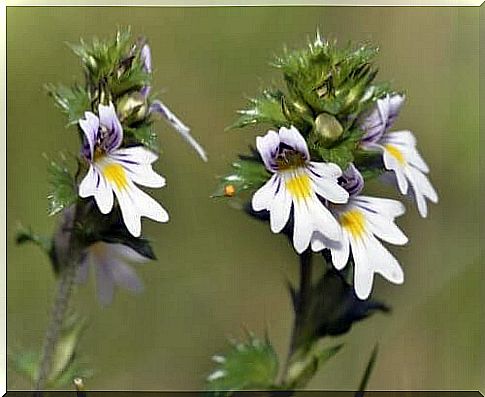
[126,253]
[363,272]
[159,108]
[389,207]
[265,195]
[109,120]
[292,137]
[383,262]
[327,170]
[104,281]
[95,184]
[330,190]
[422,189]
[280,210]
[126,277]
[385,229]
[268,147]
[90,126]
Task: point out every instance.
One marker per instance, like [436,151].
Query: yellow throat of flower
[353,221]
[396,153]
[299,186]
[116,175]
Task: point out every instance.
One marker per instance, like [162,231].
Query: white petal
[416,160]
[329,189]
[383,262]
[340,253]
[292,137]
[95,184]
[384,206]
[322,219]
[264,196]
[129,211]
[391,163]
[268,146]
[422,189]
[363,272]
[405,138]
[138,154]
[385,229]
[303,226]
[328,170]
[280,209]
[149,207]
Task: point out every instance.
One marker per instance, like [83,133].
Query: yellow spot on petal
[396,153]
[354,222]
[115,174]
[299,186]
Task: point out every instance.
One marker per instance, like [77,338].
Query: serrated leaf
[266,108]
[63,191]
[304,366]
[144,135]
[248,174]
[73,101]
[251,364]
[27,235]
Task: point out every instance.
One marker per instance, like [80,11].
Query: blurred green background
[218,269]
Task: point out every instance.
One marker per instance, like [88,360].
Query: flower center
[115,174]
[354,222]
[299,186]
[289,159]
[396,153]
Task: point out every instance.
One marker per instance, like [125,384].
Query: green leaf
[266,108]
[73,101]
[251,364]
[341,152]
[27,235]
[145,135]
[248,174]
[305,365]
[368,371]
[63,191]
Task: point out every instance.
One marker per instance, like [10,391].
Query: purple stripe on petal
[352,180]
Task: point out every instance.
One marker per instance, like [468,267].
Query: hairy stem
[59,309]
[301,307]
[67,253]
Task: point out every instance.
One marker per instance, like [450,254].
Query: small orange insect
[229,190]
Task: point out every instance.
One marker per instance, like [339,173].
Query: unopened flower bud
[328,128]
[132,107]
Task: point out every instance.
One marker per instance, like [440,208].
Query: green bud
[327,128]
[132,107]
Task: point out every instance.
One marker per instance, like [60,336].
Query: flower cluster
[332,128]
[114,114]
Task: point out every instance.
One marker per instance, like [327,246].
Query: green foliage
[251,364]
[63,190]
[305,366]
[267,108]
[112,63]
[73,101]
[27,235]
[248,173]
[341,152]
[143,134]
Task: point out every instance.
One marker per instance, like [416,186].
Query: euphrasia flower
[363,220]
[399,151]
[109,261]
[115,169]
[299,183]
[157,107]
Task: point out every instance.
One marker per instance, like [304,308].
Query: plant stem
[301,306]
[59,309]
[67,252]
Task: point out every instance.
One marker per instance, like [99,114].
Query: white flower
[401,156]
[399,150]
[299,183]
[115,169]
[111,269]
[363,219]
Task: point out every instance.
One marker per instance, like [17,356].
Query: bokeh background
[219,270]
